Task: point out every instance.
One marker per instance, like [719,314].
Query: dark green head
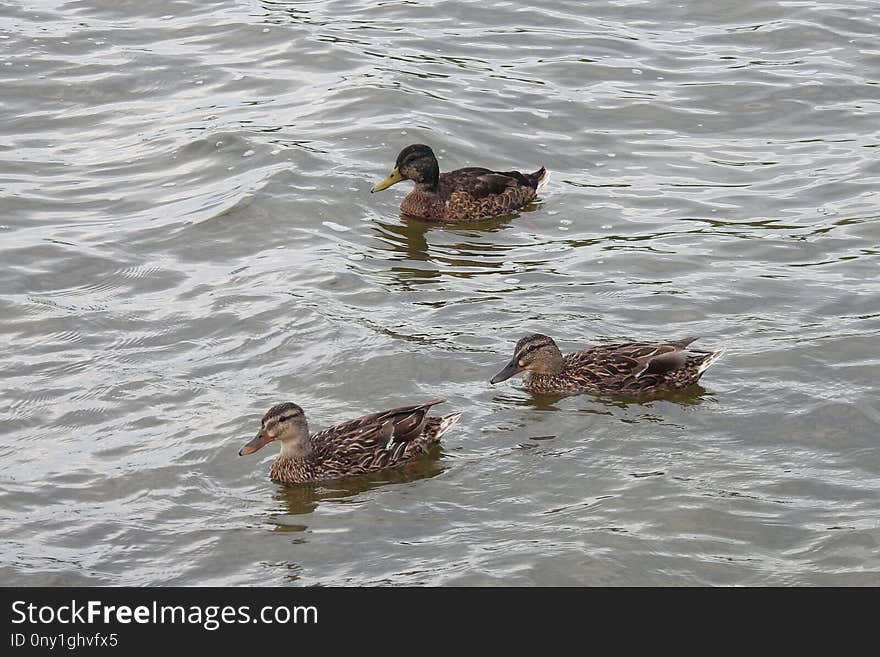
[537,353]
[416,163]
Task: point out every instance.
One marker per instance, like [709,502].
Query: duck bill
[395,177]
[259,440]
[510,370]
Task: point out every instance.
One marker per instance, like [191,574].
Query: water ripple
[188,237]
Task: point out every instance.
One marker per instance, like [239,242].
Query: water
[187,237]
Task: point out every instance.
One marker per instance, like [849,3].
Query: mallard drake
[465,194]
[632,369]
[366,444]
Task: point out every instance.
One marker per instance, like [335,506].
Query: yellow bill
[395,177]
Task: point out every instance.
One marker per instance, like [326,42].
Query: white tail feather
[706,364]
[446,422]
[543,181]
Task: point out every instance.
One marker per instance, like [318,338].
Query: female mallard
[462,195]
[632,369]
[367,444]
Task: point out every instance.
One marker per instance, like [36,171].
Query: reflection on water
[691,396]
[582,410]
[409,238]
[480,226]
[421,251]
[305,499]
[296,504]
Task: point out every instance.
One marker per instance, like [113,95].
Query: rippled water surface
[187,237]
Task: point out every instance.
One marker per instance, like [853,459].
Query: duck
[468,194]
[356,447]
[627,369]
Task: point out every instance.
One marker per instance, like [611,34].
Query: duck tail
[538,179]
[446,422]
[709,360]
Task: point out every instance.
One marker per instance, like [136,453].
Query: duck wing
[385,430]
[640,359]
[480,183]
[628,365]
[658,358]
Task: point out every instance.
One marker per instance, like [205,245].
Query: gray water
[187,237]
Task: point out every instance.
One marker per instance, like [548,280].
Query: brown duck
[465,194]
[367,444]
[631,369]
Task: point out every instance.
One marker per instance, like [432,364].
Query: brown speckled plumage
[631,369]
[466,194]
[356,447]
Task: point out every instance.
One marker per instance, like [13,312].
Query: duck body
[356,447]
[467,194]
[628,369]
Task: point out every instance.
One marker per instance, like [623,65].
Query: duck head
[286,423]
[416,163]
[536,353]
